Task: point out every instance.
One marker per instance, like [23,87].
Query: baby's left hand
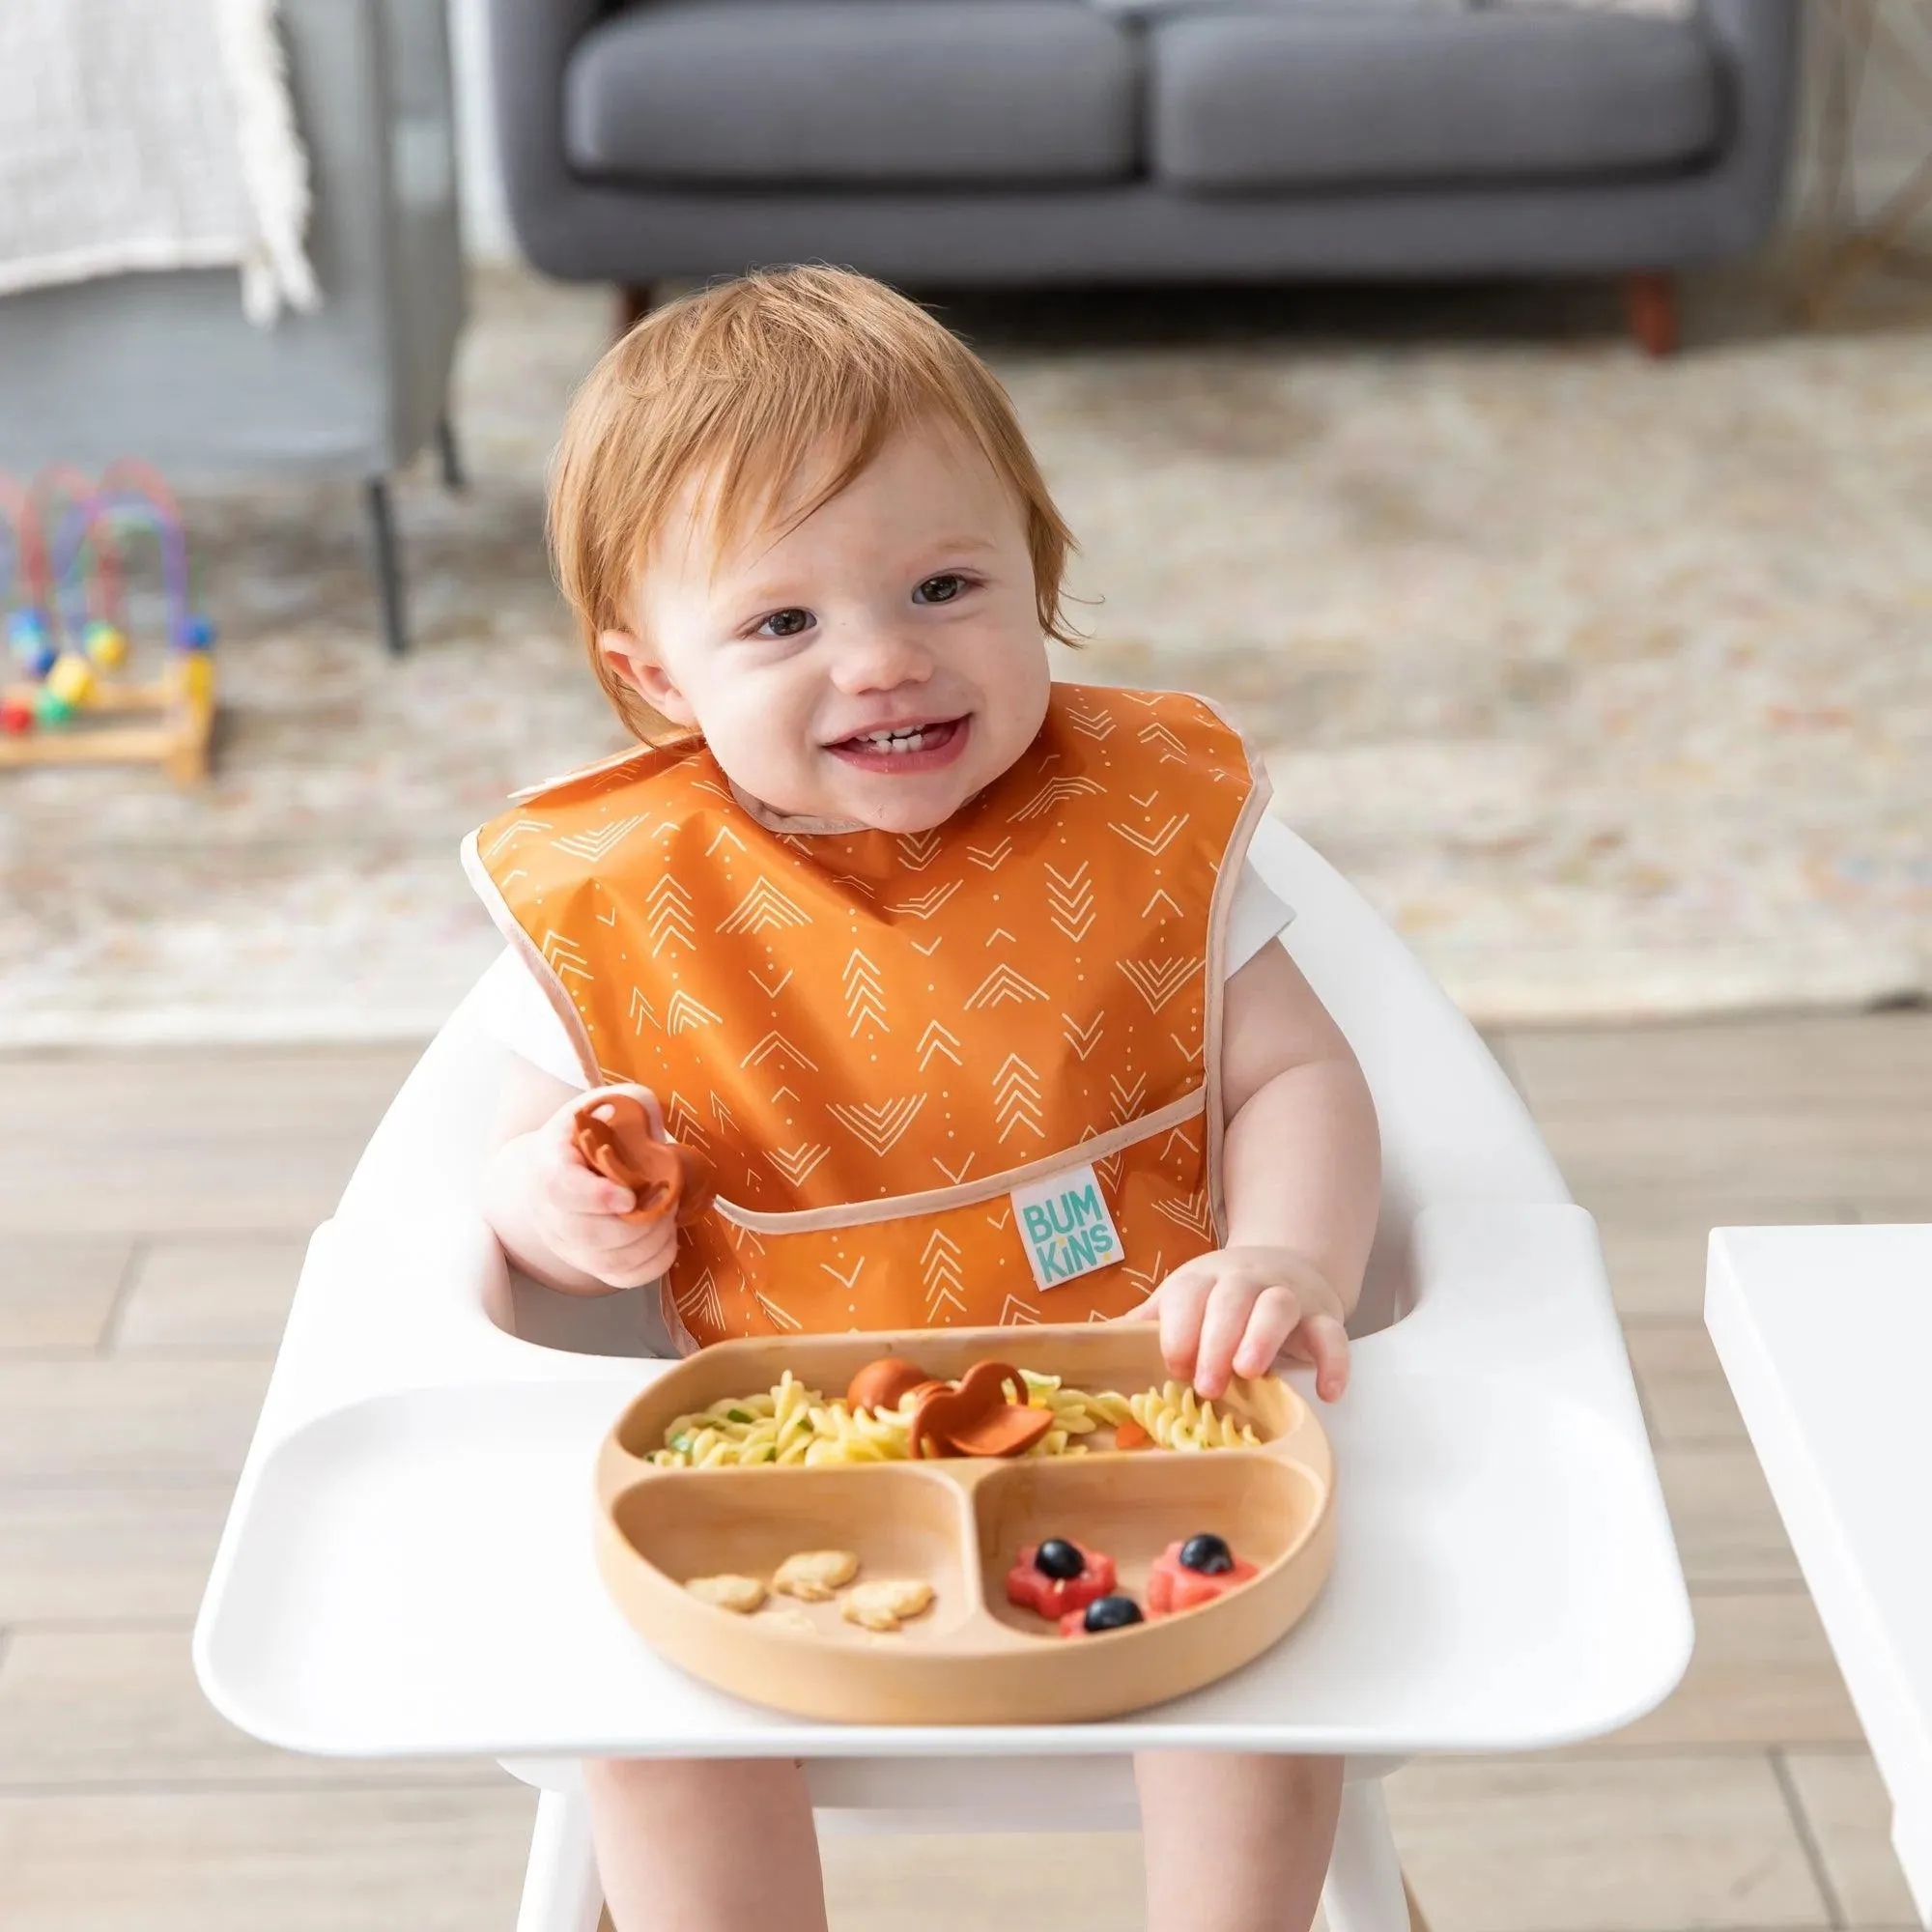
[1233,1311]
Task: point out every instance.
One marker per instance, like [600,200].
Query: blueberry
[1058,1558]
[1206,1556]
[1111,1614]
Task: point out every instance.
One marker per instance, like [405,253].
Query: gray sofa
[958,142]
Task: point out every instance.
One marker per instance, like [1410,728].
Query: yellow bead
[72,679]
[106,646]
[193,674]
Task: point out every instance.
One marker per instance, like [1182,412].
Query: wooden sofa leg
[1649,306]
[634,304]
[1417,1921]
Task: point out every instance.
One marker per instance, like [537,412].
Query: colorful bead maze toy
[70,698]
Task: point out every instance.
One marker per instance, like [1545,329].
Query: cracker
[815,1576]
[887,1604]
[742,1594]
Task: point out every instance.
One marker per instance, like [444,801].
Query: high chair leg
[560,1888]
[1365,1891]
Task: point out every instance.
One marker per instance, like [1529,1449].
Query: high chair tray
[409,1566]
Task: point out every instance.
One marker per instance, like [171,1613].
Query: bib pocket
[964,1255]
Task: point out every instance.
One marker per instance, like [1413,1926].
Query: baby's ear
[634,661]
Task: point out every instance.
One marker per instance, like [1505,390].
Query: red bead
[15,718]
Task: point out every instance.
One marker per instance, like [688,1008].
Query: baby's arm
[558,1218]
[1302,1173]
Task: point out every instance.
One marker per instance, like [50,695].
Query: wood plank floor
[140,1303]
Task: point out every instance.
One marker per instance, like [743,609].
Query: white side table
[1826,1336]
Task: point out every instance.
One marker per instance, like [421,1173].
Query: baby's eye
[940,589]
[786,623]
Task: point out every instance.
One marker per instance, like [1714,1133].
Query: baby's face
[881,663]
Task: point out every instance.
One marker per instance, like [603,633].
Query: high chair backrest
[1453,1127]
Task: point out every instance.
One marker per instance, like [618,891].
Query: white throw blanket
[151,134]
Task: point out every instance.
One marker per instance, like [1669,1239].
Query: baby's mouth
[904,748]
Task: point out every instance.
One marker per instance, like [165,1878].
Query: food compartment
[1122,1358]
[901,1523]
[1265,1507]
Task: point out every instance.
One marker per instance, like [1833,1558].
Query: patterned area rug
[1609,682]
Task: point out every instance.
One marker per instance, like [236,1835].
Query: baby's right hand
[577,1212]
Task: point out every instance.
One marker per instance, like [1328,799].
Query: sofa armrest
[1760,42]
[530,44]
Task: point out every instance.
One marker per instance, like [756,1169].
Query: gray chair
[167,368]
[958,142]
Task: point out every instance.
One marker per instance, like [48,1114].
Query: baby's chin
[905,818]
[901,805]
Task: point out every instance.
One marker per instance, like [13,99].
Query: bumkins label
[1066,1227]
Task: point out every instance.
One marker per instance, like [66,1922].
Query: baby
[959,977]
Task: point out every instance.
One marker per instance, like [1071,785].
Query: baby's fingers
[634,1269]
[621,1253]
[572,1188]
[1180,1304]
[1225,1320]
[1270,1322]
[1325,1343]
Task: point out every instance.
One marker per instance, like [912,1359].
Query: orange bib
[903,1054]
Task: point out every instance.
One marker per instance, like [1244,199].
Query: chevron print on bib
[895,1046]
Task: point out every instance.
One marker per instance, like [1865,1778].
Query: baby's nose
[878,658]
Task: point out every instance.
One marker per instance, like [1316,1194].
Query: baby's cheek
[762,739]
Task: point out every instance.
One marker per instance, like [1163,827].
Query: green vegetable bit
[736,1415]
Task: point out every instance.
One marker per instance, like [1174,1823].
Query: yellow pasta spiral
[791,1425]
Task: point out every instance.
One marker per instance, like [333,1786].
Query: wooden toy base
[957,1524]
[120,725]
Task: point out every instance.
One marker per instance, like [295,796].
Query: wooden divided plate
[957,1523]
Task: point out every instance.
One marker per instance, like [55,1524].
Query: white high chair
[406,1567]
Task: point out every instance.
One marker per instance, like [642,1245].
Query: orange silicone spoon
[613,1134]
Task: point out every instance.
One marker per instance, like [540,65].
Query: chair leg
[1650,306]
[634,304]
[388,565]
[1365,1891]
[560,1888]
[449,454]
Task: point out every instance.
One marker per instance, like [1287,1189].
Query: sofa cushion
[854,91]
[1260,100]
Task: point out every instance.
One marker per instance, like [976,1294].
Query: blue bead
[30,642]
[194,634]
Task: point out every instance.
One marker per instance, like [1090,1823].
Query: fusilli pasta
[792,1424]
